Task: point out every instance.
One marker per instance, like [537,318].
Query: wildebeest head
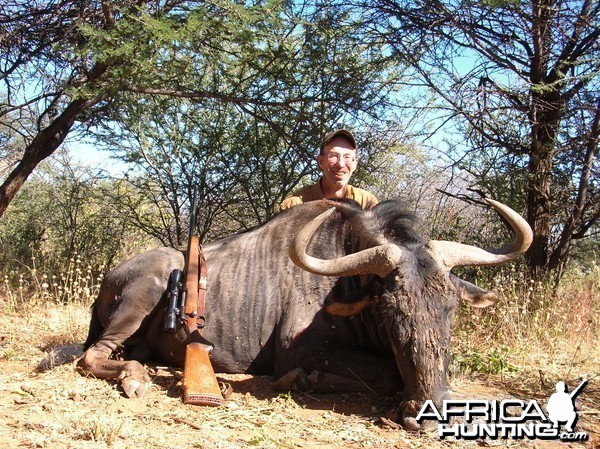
[418,293]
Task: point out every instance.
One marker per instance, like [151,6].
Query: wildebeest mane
[398,224]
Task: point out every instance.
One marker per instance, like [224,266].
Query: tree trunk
[538,212]
[42,146]
[545,114]
[47,141]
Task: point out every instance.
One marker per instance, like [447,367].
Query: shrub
[530,317]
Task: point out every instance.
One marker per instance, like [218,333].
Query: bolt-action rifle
[186,305]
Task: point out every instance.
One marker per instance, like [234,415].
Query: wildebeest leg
[321,382]
[129,299]
[352,371]
[96,362]
[132,375]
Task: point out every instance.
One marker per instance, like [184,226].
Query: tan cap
[338,133]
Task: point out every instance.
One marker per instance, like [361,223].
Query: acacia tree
[519,81]
[247,157]
[36,75]
[66,64]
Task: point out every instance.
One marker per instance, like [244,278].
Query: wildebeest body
[258,304]
[265,314]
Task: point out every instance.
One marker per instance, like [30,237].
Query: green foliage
[250,142]
[183,49]
[63,216]
[501,3]
[22,229]
[474,361]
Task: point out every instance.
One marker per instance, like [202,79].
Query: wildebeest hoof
[408,411]
[134,380]
[133,387]
[295,379]
[411,424]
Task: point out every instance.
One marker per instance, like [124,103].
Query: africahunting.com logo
[509,418]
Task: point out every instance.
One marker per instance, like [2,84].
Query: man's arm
[365,198]
[290,201]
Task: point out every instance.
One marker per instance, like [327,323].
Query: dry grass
[77,285]
[531,323]
[519,348]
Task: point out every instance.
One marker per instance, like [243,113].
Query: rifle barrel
[576,391]
[193,213]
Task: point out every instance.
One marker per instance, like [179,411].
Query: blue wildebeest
[341,298]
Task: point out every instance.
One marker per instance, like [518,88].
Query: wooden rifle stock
[200,385]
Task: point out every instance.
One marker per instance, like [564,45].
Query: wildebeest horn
[453,254]
[379,260]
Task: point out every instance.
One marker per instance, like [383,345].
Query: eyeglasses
[335,157]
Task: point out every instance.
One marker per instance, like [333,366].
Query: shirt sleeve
[290,201]
[365,198]
[370,201]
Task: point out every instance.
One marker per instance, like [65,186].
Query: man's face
[338,161]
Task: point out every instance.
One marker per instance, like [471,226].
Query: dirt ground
[45,403]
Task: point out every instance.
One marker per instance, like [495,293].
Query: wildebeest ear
[474,295]
[348,309]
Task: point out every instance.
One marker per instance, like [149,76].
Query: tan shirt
[313,193]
